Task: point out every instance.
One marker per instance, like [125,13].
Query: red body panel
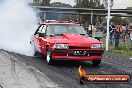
[74,41]
[76,58]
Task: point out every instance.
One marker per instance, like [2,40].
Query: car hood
[73,39]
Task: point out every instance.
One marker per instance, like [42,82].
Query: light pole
[108,21]
[91,24]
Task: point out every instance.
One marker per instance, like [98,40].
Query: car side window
[41,30]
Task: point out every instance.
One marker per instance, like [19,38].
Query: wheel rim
[48,57]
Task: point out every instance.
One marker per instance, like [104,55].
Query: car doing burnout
[66,41]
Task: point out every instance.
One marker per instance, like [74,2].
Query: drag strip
[16,74]
[64,73]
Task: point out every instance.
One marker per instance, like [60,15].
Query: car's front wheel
[96,62]
[49,60]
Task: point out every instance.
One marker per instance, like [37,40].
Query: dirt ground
[19,71]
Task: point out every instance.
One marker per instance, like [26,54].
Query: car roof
[74,24]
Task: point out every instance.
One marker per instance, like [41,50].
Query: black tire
[49,59]
[96,62]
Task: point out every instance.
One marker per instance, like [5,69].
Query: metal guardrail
[82,10]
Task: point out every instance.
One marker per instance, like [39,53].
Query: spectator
[130,36]
[117,36]
[111,29]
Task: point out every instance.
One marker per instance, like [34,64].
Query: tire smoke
[18,21]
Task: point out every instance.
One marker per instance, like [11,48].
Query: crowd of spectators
[118,33]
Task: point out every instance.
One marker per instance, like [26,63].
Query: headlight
[60,46]
[97,46]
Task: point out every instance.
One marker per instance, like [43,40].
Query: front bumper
[70,54]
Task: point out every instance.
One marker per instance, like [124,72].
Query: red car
[66,41]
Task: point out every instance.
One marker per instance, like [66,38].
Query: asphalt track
[19,71]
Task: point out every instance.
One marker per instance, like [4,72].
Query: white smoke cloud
[18,22]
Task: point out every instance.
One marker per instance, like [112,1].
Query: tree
[77,1]
[125,21]
[130,19]
[60,16]
[59,4]
[41,2]
[89,4]
[119,21]
[36,2]
[105,2]
[45,2]
[94,4]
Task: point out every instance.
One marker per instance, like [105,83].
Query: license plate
[79,52]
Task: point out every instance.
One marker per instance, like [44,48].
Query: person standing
[112,29]
[130,36]
[117,36]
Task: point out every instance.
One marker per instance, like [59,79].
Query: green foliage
[61,16]
[94,4]
[125,21]
[45,2]
[41,2]
[129,19]
[106,3]
[119,20]
[89,4]
[59,4]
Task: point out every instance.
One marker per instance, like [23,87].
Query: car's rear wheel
[49,59]
[96,62]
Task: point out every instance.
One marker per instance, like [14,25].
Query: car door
[38,38]
[42,40]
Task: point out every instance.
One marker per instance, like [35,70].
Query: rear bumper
[69,55]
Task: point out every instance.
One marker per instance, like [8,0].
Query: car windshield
[58,29]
